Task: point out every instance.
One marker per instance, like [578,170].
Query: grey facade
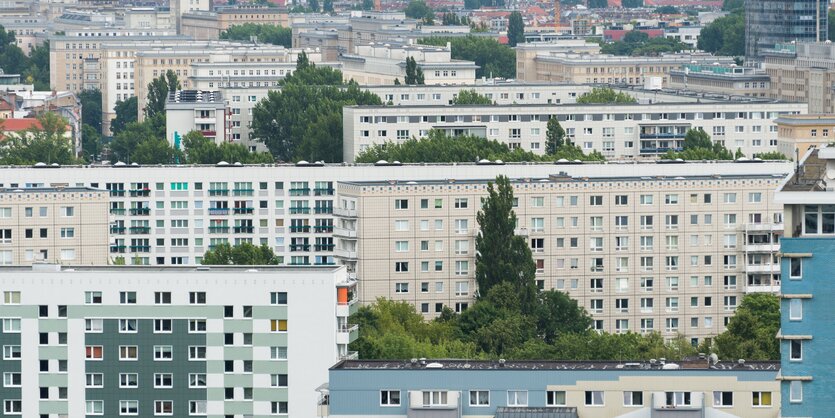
[768,22]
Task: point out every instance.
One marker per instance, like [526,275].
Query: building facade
[55,225]
[616,130]
[546,389]
[802,72]
[730,80]
[806,252]
[219,342]
[796,134]
[208,25]
[376,64]
[196,110]
[670,254]
[768,22]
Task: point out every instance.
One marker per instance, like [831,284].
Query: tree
[302,62]
[731,5]
[639,43]
[697,138]
[46,143]
[266,33]
[667,10]
[155,150]
[698,145]
[558,313]
[493,58]
[91,144]
[515,29]
[501,254]
[605,95]
[202,150]
[598,4]
[772,155]
[470,97]
[158,90]
[554,136]
[725,35]
[397,82]
[126,113]
[417,9]
[244,254]
[91,108]
[752,332]
[831,25]
[125,142]
[313,5]
[632,4]
[327,6]
[367,4]
[414,75]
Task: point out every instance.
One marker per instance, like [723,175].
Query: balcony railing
[220,229]
[140,248]
[323,247]
[218,211]
[299,247]
[117,211]
[323,228]
[117,248]
[323,191]
[325,209]
[244,211]
[243,229]
[218,192]
[117,229]
[140,229]
[300,228]
[117,192]
[301,191]
[298,210]
[140,211]
[140,192]
[243,192]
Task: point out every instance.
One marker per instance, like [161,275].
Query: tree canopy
[414,74]
[605,95]
[470,97]
[303,120]
[772,155]
[158,90]
[632,4]
[725,35]
[201,150]
[752,332]
[266,33]
[639,43]
[439,147]
[91,108]
[127,111]
[515,29]
[493,58]
[33,69]
[244,254]
[554,137]
[45,144]
[731,5]
[418,9]
[598,4]
[698,145]
[667,10]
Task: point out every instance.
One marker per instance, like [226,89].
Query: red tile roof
[22,124]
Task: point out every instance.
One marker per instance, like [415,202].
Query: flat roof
[555,365]
[28,190]
[53,268]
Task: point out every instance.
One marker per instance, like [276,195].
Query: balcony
[243,192]
[117,192]
[301,191]
[347,333]
[298,210]
[323,247]
[140,230]
[326,209]
[208,133]
[345,213]
[140,192]
[342,232]
[322,228]
[521,232]
[762,268]
[140,211]
[347,309]
[299,247]
[243,229]
[218,211]
[243,211]
[347,254]
[117,248]
[762,248]
[324,263]
[117,230]
[299,263]
[140,248]
[117,211]
[323,191]
[773,288]
[218,192]
[299,228]
[220,229]
[764,227]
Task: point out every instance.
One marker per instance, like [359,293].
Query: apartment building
[208,25]
[212,342]
[56,225]
[149,18]
[542,66]
[500,92]
[181,7]
[672,254]
[74,57]
[546,389]
[195,110]
[29,31]
[725,80]
[341,34]
[805,343]
[802,72]
[797,134]
[383,63]
[617,130]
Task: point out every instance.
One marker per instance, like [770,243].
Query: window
[634,398]
[555,398]
[279,380]
[126,298]
[11,325]
[278,325]
[795,268]
[401,266]
[761,399]
[128,380]
[401,204]
[479,398]
[162,298]
[197,352]
[278,353]
[92,298]
[128,407]
[517,398]
[11,352]
[128,352]
[197,326]
[795,350]
[197,298]
[163,407]
[723,399]
[677,398]
[197,380]
[197,407]
[795,309]
[94,380]
[389,398]
[796,391]
[671,199]
[163,353]
[94,352]
[278,298]
[280,407]
[401,287]
[162,326]
[95,408]
[594,398]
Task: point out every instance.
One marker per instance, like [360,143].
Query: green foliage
[667,10]
[698,145]
[605,95]
[414,74]
[639,43]
[303,120]
[327,6]
[697,138]
[731,5]
[91,144]
[127,112]
[439,147]
[158,90]
[313,5]
[244,254]
[632,4]
[37,70]
[598,4]
[752,332]
[831,25]
[515,29]
[140,143]
[470,97]
[367,4]
[266,33]
[772,155]
[493,58]
[452,19]
[417,9]
[502,256]
[554,136]
[46,144]
[477,4]
[33,69]
[91,108]
[725,35]
[202,150]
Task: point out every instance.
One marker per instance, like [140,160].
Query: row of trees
[266,33]
[605,95]
[639,43]
[493,58]
[513,319]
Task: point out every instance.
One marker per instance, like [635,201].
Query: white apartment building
[500,92]
[55,225]
[219,341]
[616,130]
[671,253]
[195,110]
[378,63]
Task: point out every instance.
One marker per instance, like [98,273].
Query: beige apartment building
[673,254]
[378,63]
[726,80]
[537,65]
[55,225]
[208,25]
[802,72]
[796,134]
